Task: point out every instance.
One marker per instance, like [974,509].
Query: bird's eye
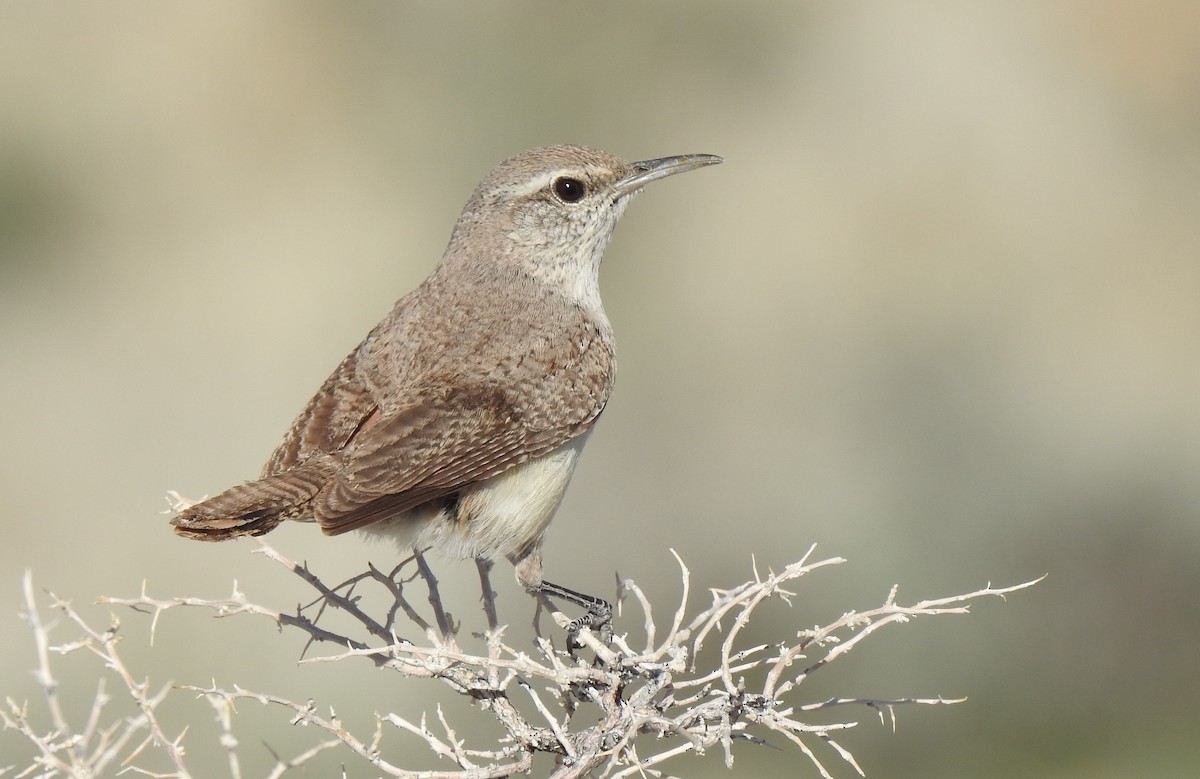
[569,190]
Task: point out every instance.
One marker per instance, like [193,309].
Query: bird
[458,421]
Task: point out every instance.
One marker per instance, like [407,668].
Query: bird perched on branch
[457,422]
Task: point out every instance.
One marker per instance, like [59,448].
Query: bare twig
[647,705]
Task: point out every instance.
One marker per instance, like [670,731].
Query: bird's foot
[598,618]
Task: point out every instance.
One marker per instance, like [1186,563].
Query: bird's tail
[256,507]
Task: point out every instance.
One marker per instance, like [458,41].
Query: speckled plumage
[458,420]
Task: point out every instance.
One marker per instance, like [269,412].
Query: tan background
[939,312]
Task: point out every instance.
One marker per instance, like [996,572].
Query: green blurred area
[939,313]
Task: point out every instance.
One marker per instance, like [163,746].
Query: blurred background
[938,313]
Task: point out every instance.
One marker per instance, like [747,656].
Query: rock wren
[456,424]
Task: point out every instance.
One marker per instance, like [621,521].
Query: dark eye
[569,190]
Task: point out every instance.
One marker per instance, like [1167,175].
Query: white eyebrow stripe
[535,184]
[542,181]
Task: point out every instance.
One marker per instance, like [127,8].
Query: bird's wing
[438,441]
[414,416]
[337,412]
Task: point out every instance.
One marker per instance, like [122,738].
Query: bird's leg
[599,611]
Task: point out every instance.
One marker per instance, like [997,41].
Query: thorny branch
[646,701]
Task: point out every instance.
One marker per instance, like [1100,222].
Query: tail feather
[256,507]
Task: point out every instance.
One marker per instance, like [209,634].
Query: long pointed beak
[646,171]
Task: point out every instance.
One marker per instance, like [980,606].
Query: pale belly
[500,517]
